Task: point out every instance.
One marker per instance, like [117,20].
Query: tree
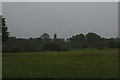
[113,43]
[82,37]
[78,38]
[51,46]
[77,41]
[91,37]
[5,34]
[45,36]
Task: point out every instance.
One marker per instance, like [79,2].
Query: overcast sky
[60,0]
[0,8]
[27,19]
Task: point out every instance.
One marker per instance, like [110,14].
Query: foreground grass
[79,63]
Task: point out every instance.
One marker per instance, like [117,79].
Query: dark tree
[78,38]
[113,43]
[5,33]
[51,46]
[91,37]
[45,36]
[82,37]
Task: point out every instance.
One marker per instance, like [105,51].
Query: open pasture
[76,63]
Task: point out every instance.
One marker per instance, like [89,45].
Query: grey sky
[0,8]
[65,19]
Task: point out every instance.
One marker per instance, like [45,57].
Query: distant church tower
[55,36]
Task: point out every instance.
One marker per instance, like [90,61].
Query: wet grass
[77,63]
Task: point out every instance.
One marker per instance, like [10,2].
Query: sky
[0,19]
[0,8]
[60,0]
[32,19]
[119,20]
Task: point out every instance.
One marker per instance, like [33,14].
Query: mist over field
[90,50]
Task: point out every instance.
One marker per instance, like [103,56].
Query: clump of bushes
[33,45]
[45,43]
[51,46]
[113,44]
[99,48]
[54,46]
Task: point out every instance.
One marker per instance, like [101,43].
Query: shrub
[51,46]
[54,46]
[100,48]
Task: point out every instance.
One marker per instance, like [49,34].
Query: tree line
[45,43]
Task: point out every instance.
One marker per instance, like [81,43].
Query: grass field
[79,63]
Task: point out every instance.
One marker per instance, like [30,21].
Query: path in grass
[79,63]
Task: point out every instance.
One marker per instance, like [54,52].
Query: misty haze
[60,40]
[63,19]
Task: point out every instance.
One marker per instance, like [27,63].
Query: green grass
[78,63]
